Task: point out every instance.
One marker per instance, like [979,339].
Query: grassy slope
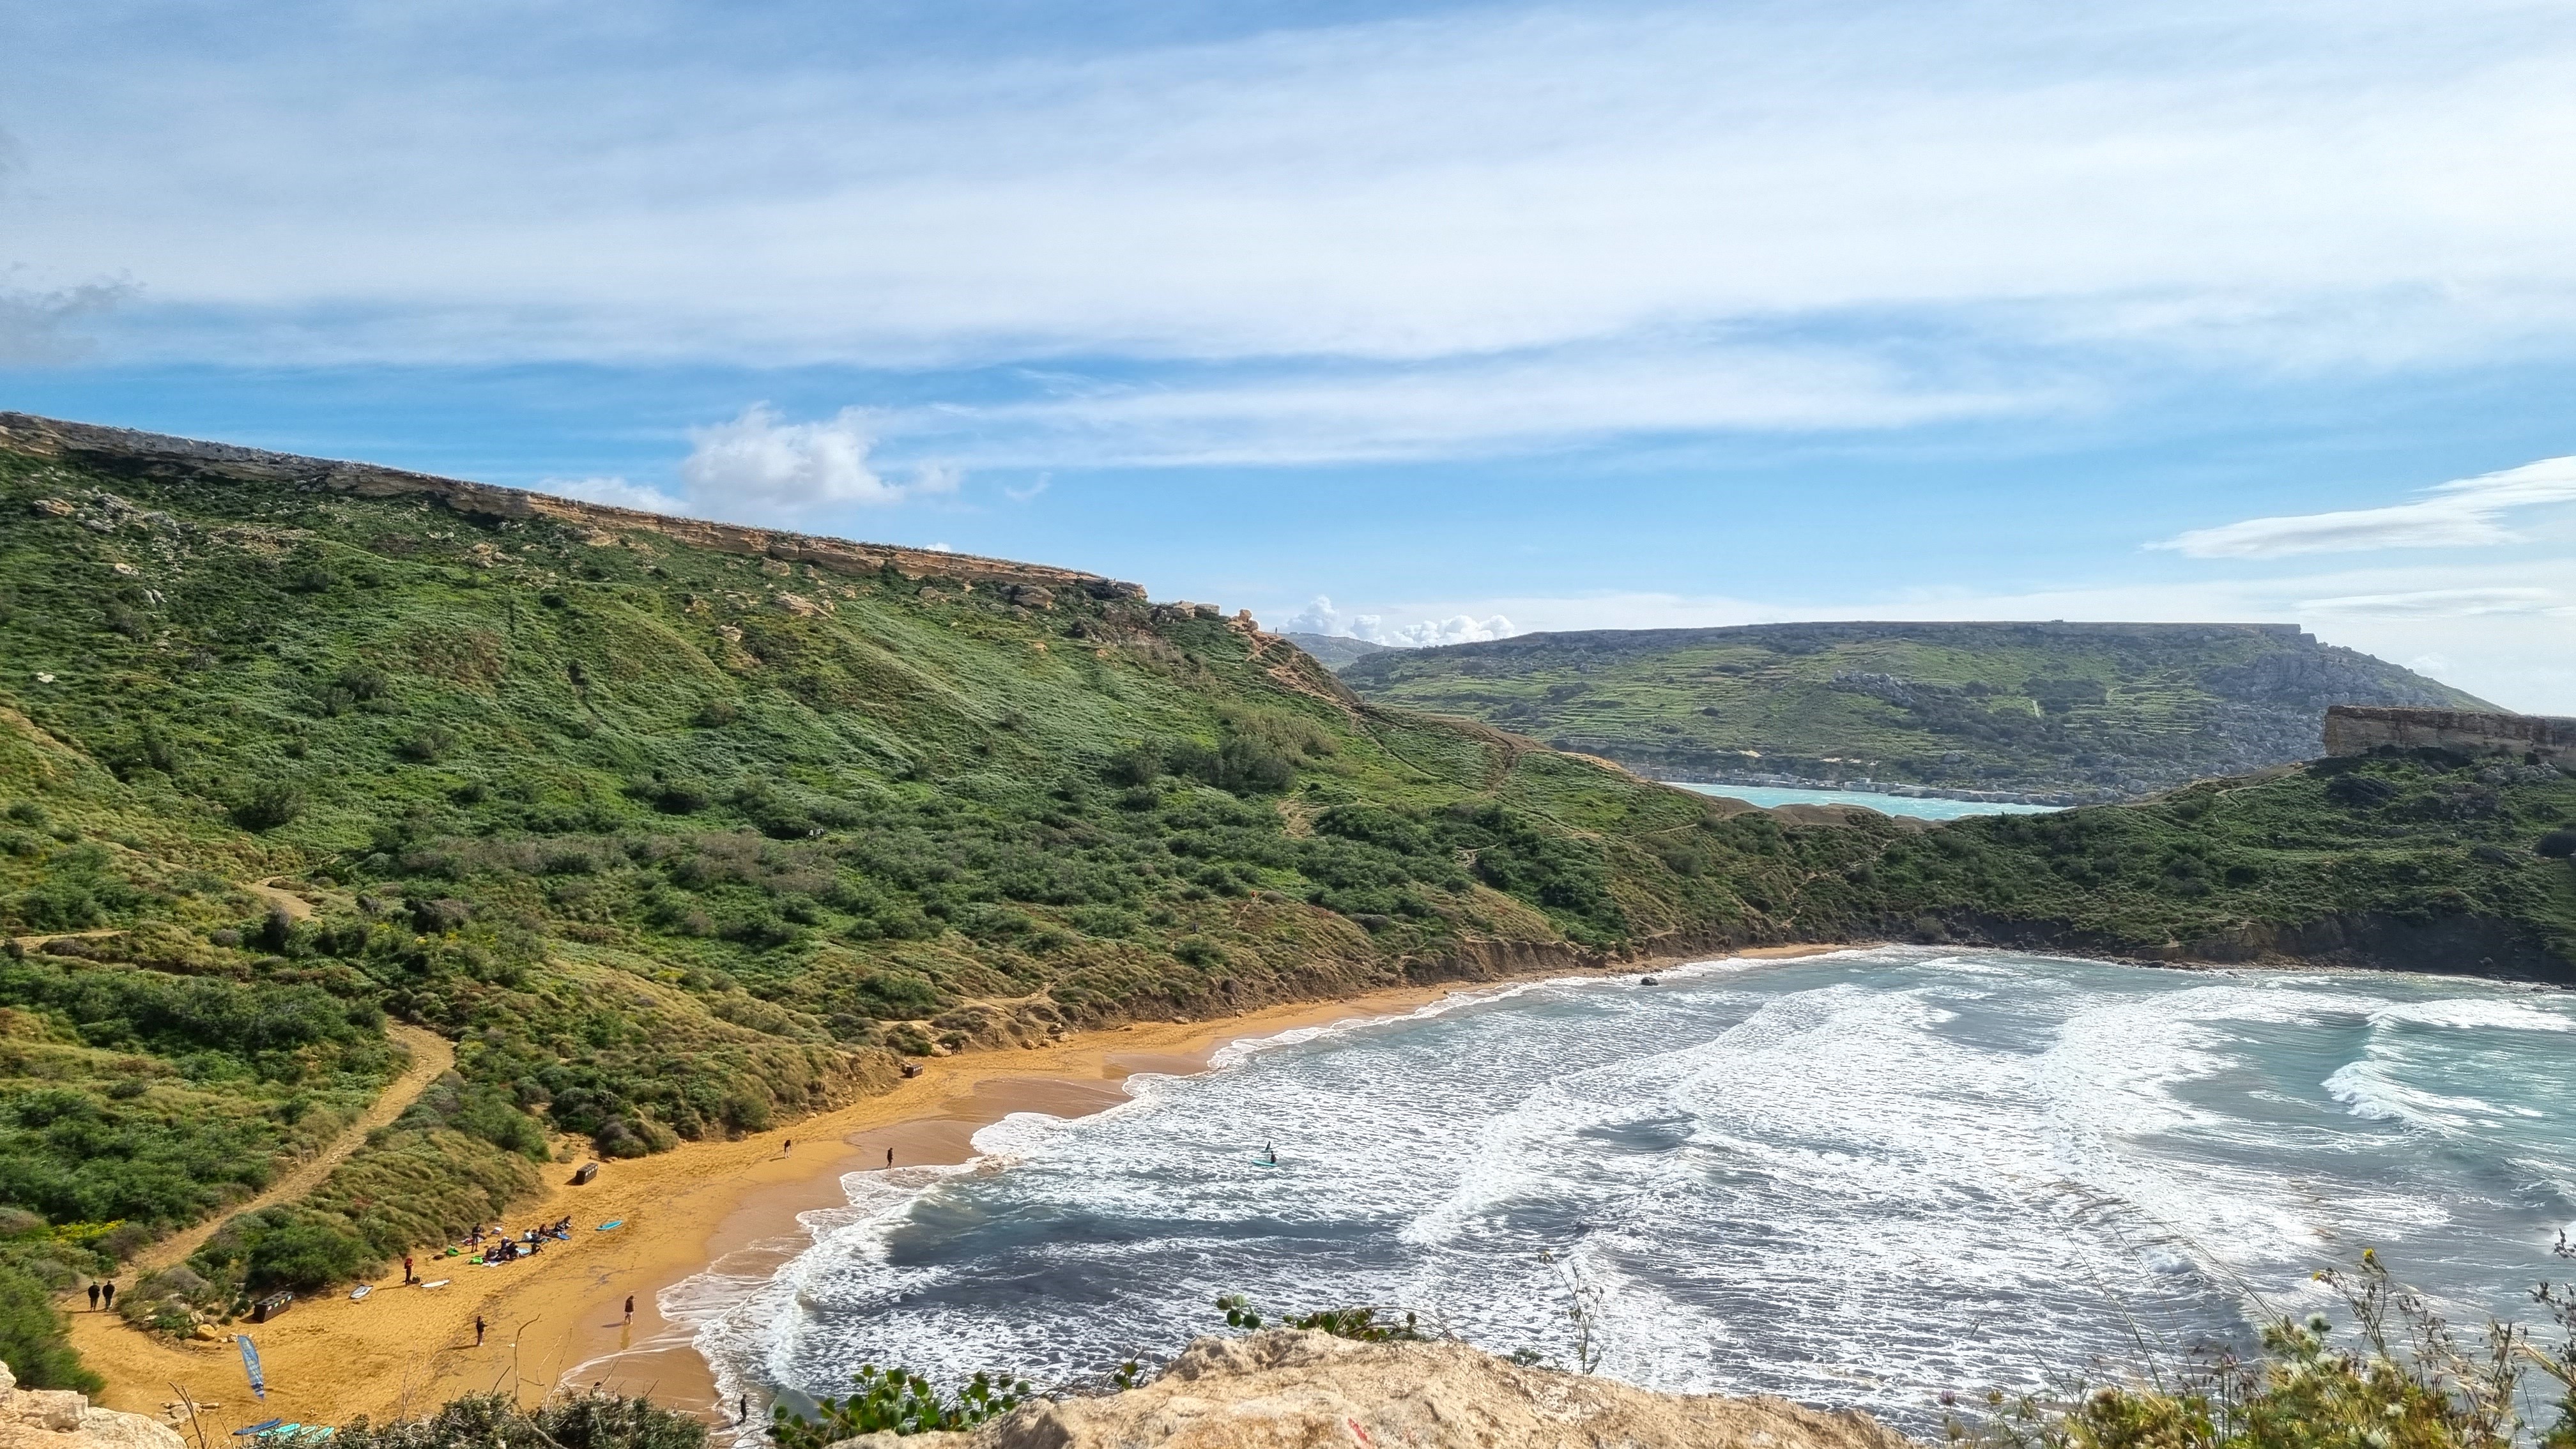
[679,842]
[675,841]
[2424,862]
[2105,711]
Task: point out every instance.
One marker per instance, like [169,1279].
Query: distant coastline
[1885,787]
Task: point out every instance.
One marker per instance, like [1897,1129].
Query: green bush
[33,1338]
[269,805]
[898,1402]
[2405,1382]
[483,1421]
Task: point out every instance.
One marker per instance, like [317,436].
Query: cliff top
[125,450]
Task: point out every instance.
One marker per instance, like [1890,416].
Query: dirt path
[296,907]
[431,1057]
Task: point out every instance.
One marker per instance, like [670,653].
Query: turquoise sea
[1853,1179]
[1927,807]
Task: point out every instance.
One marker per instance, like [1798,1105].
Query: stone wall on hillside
[2356,729]
[157,455]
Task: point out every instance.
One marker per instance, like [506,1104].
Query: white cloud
[1320,617]
[1340,412]
[2439,603]
[616,492]
[762,462]
[2458,514]
[1481,181]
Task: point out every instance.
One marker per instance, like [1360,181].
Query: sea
[1927,807]
[1858,1179]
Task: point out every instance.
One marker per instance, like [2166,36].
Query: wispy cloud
[2440,603]
[1472,181]
[2463,513]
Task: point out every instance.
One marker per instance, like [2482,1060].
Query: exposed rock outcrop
[2353,729]
[63,1419]
[1303,1390]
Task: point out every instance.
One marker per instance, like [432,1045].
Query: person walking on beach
[788,1148]
[93,1298]
[407,1273]
[630,1310]
[889,1159]
[107,1294]
[478,1330]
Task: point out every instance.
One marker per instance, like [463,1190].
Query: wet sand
[558,1318]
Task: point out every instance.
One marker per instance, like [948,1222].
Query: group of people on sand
[506,1249]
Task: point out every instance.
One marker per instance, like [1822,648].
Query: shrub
[33,1341]
[428,746]
[899,1402]
[480,1421]
[2558,844]
[268,806]
[2407,1384]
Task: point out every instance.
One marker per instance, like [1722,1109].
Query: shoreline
[731,1208]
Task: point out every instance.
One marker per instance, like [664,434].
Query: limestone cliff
[62,1419]
[1285,1389]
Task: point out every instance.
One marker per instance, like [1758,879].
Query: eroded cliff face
[62,1419]
[1285,1389]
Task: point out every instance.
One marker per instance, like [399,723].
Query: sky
[1420,322]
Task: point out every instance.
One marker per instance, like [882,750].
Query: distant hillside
[1334,650]
[2082,711]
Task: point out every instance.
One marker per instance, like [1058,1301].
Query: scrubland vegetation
[676,843]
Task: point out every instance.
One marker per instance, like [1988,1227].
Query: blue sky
[1468,318]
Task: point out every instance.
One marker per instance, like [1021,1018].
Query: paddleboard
[440,1283]
[1263,1162]
[361,1291]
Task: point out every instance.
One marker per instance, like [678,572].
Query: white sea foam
[1852,1179]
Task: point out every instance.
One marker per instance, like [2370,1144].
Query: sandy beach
[559,1318]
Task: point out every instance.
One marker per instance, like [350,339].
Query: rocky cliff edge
[62,1419]
[1285,1389]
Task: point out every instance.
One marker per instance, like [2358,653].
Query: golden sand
[560,1317]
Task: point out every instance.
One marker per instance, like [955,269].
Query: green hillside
[678,830]
[2079,711]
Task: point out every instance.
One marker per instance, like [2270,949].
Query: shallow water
[1856,1179]
[1928,807]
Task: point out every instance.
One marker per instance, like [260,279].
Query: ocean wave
[1744,1168]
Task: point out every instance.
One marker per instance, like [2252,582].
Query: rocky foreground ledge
[1286,1389]
[63,1419]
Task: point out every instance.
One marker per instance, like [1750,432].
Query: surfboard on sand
[611,1223]
[435,1283]
[361,1291]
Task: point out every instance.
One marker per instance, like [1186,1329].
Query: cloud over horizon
[2462,513]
